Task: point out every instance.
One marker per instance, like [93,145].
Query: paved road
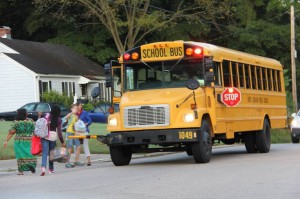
[232,173]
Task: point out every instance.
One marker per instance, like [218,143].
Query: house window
[45,87]
[68,88]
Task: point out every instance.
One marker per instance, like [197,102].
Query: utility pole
[293,61]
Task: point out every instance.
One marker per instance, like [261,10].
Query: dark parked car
[33,109]
[101,112]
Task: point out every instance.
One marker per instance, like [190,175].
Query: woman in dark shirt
[48,145]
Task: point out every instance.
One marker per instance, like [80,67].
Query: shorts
[72,142]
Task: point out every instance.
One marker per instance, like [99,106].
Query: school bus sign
[231,96]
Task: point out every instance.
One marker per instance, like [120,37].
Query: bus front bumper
[151,137]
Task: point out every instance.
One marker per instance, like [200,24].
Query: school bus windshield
[162,74]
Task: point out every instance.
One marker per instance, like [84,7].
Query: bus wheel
[120,155]
[188,150]
[263,138]
[202,149]
[249,138]
[294,140]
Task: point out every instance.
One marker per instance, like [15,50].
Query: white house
[28,69]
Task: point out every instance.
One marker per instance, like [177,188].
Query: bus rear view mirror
[108,77]
[192,84]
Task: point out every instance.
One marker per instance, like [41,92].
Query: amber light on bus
[135,56]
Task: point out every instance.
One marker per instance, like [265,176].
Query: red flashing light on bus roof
[198,51]
[126,56]
[194,51]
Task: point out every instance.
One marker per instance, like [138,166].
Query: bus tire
[263,138]
[188,150]
[120,155]
[202,149]
[249,138]
[294,140]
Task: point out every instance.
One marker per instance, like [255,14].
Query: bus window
[258,75]
[279,81]
[270,79]
[274,80]
[253,77]
[130,78]
[235,76]
[264,78]
[241,75]
[226,73]
[247,75]
[217,72]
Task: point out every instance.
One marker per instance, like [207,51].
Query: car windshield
[167,74]
[61,106]
[29,107]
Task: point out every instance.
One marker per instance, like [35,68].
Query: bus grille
[147,116]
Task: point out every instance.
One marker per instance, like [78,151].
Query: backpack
[42,126]
[80,126]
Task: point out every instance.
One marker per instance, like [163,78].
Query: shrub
[89,106]
[55,96]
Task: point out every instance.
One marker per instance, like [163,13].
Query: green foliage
[55,96]
[91,44]
[88,107]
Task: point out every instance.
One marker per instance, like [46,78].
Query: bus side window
[235,76]
[253,77]
[217,72]
[259,78]
[274,80]
[279,81]
[270,79]
[265,78]
[241,75]
[226,74]
[247,76]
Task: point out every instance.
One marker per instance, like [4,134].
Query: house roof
[45,58]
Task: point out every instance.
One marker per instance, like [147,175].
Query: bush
[55,96]
[89,106]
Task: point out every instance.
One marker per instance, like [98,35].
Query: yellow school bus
[184,96]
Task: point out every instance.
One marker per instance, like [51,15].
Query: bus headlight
[113,122]
[190,117]
[294,123]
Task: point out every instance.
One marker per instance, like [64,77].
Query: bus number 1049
[187,135]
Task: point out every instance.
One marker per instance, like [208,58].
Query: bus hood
[172,96]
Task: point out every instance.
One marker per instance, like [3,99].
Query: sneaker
[89,164]
[43,173]
[51,171]
[78,164]
[69,165]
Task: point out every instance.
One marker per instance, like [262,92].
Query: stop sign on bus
[231,96]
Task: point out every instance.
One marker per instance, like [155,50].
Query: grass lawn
[277,136]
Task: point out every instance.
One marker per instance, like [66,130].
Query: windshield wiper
[147,65]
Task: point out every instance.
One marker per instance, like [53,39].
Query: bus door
[113,78]
[210,77]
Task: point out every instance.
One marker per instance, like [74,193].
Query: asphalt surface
[231,173]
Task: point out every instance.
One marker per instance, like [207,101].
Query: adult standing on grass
[23,128]
[84,116]
[48,144]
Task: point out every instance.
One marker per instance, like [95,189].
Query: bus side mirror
[209,76]
[192,84]
[108,76]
